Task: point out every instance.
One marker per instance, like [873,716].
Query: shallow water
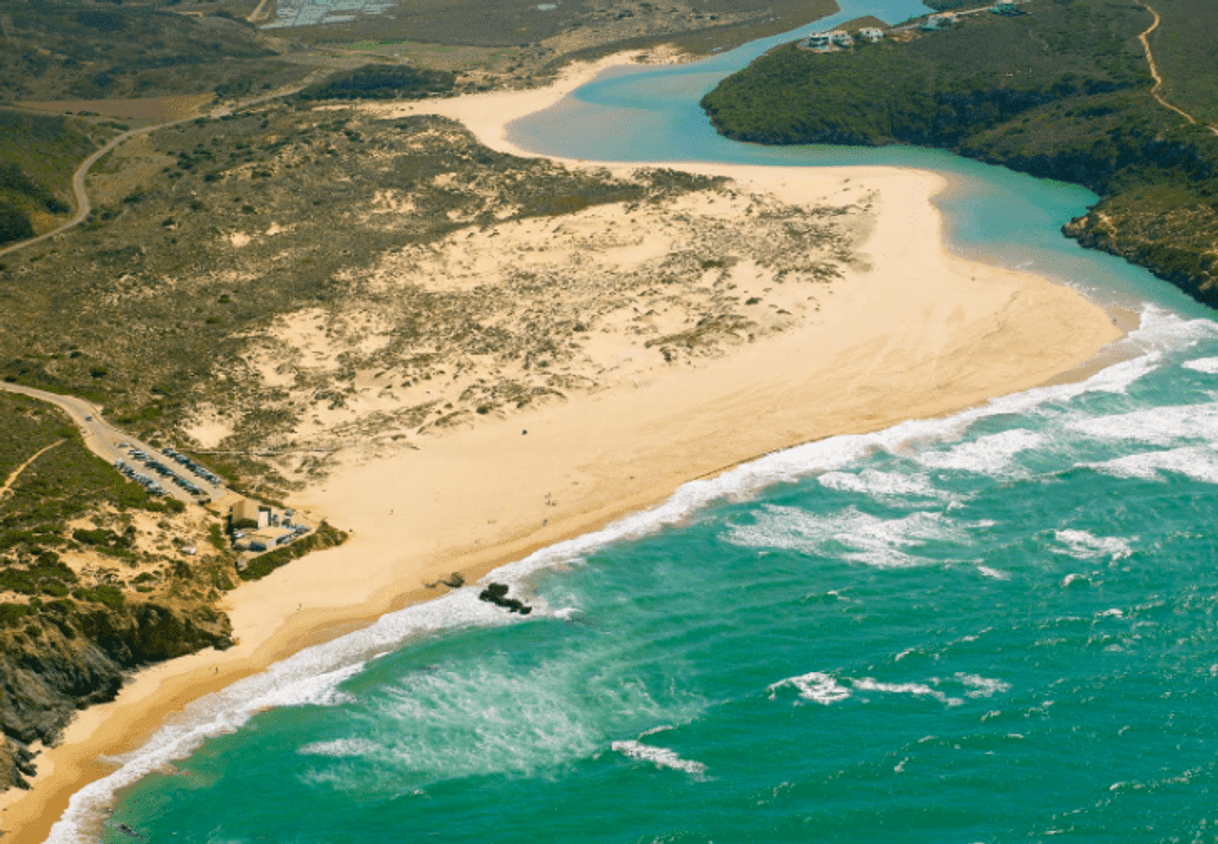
[993,627]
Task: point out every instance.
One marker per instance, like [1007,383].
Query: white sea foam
[663,728]
[314,674]
[826,689]
[868,684]
[868,539]
[486,715]
[1162,330]
[1085,545]
[994,574]
[980,687]
[877,484]
[341,748]
[815,686]
[1166,425]
[1207,365]
[661,757]
[988,455]
[1200,463]
[310,677]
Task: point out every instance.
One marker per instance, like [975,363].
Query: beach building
[248,514]
[818,41]
[871,35]
[827,40]
[264,540]
[938,22]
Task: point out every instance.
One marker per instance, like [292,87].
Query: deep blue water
[994,627]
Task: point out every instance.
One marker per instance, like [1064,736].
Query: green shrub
[381,82]
[14,223]
[99,536]
[11,614]
[102,594]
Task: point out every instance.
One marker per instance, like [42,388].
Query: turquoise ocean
[999,626]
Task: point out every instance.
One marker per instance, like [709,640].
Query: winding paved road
[84,207]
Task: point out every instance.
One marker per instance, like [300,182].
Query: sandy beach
[908,331]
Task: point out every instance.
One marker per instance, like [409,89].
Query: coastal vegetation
[214,246]
[87,51]
[381,82]
[37,156]
[93,579]
[1062,91]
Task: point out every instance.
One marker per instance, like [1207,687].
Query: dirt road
[1154,71]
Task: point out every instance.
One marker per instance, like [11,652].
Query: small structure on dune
[871,35]
[248,514]
[1005,7]
[936,23]
[266,539]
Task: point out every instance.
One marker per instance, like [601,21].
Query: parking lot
[163,471]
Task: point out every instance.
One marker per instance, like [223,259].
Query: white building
[871,34]
[828,40]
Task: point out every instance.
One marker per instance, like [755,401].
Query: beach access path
[1156,90]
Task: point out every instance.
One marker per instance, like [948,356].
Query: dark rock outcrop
[496,593]
[75,655]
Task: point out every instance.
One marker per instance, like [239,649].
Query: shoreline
[492,495]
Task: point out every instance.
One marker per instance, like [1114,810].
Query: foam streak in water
[874,541]
[661,757]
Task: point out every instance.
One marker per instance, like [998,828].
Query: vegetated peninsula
[1057,88]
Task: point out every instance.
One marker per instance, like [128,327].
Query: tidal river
[994,627]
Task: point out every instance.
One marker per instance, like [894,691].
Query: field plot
[311,12]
